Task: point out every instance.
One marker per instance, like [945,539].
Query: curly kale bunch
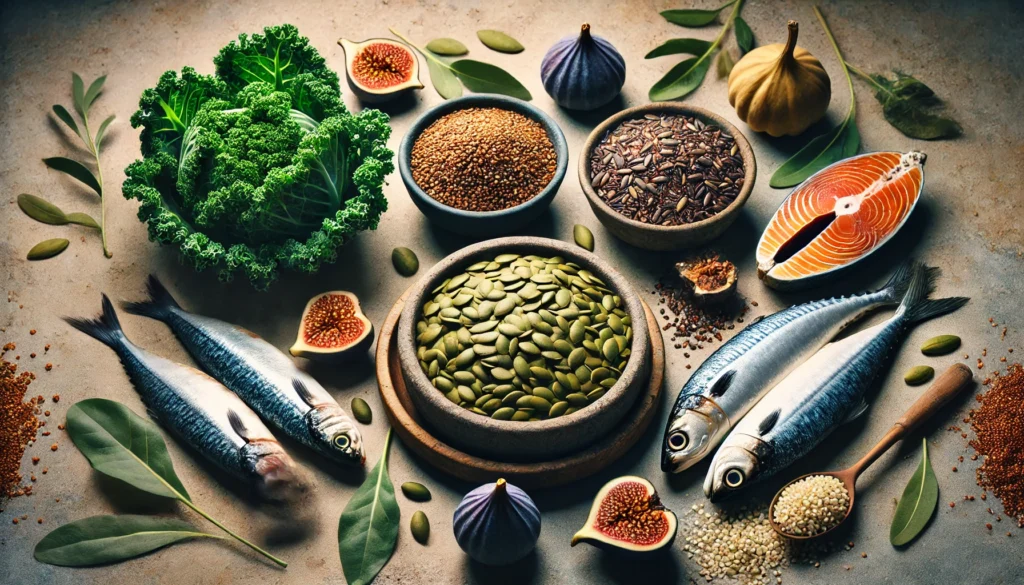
[260,166]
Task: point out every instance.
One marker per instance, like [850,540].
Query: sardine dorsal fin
[238,426]
[857,411]
[721,384]
[769,422]
[303,392]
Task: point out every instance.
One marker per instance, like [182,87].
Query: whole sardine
[263,376]
[818,396]
[731,381]
[202,412]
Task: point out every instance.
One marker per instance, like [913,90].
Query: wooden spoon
[948,385]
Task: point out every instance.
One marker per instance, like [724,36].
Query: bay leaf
[119,443]
[102,132]
[694,18]
[444,81]
[41,210]
[94,91]
[99,540]
[447,46]
[499,41]
[78,94]
[910,105]
[681,79]
[483,77]
[840,143]
[680,46]
[917,504]
[724,64]
[64,115]
[744,36]
[48,249]
[82,219]
[368,528]
[76,170]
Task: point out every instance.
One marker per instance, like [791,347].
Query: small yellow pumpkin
[780,89]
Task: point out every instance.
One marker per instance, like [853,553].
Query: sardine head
[732,469]
[336,434]
[692,435]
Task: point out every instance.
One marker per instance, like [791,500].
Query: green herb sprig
[477,76]
[918,503]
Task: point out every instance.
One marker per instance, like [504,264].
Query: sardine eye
[734,478]
[677,440]
[342,441]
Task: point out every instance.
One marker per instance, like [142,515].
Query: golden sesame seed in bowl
[483,165]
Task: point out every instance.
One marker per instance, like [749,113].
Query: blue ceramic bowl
[483,223]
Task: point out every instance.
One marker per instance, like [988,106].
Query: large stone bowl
[532,441]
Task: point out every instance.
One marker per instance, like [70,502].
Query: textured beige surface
[968,223]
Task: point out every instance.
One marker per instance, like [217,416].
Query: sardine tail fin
[933,308]
[899,282]
[921,283]
[159,303]
[105,328]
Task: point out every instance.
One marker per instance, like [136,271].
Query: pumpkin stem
[585,32]
[794,30]
[499,486]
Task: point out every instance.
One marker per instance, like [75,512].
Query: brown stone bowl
[522,441]
[657,237]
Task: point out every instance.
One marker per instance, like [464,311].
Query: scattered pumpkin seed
[416,492]
[583,236]
[918,375]
[48,249]
[361,411]
[940,345]
[420,527]
[405,261]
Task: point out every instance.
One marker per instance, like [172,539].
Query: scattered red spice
[988,525]
[35,461]
[18,426]
[53,447]
[46,347]
[31,331]
[952,504]
[998,439]
[32,355]
[56,398]
[49,366]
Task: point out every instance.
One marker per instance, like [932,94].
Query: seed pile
[483,159]
[18,427]
[812,505]
[708,273]
[524,338]
[691,325]
[667,170]
[1000,442]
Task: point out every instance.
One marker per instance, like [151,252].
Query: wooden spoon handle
[942,390]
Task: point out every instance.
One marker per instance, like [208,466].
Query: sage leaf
[724,64]
[76,170]
[65,116]
[483,77]
[841,142]
[681,79]
[917,504]
[909,105]
[48,249]
[744,36]
[41,210]
[101,133]
[108,539]
[82,219]
[447,46]
[694,18]
[119,443]
[444,81]
[499,41]
[680,46]
[94,91]
[368,528]
[78,94]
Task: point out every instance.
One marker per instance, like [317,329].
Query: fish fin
[857,411]
[238,426]
[721,384]
[105,328]
[899,282]
[303,392]
[159,303]
[757,320]
[769,422]
[922,283]
[932,308]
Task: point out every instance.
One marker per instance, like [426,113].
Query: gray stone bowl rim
[456,262]
[554,133]
[745,151]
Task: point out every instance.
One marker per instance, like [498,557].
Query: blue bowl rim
[554,132]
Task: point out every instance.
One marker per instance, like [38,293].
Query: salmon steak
[838,216]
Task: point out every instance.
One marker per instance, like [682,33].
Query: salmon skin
[731,381]
[263,376]
[202,413]
[818,396]
[857,204]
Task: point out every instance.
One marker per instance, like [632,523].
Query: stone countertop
[968,223]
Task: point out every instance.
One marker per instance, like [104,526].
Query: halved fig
[838,216]
[712,281]
[628,516]
[332,327]
[379,70]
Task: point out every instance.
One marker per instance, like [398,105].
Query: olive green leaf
[724,63]
[42,210]
[82,219]
[499,41]
[368,528]
[102,132]
[119,443]
[94,91]
[99,540]
[78,94]
[682,79]
[76,170]
[65,116]
[48,249]
[680,46]
[693,18]
[482,77]
[445,82]
[744,36]
[910,106]
[917,504]
[447,46]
